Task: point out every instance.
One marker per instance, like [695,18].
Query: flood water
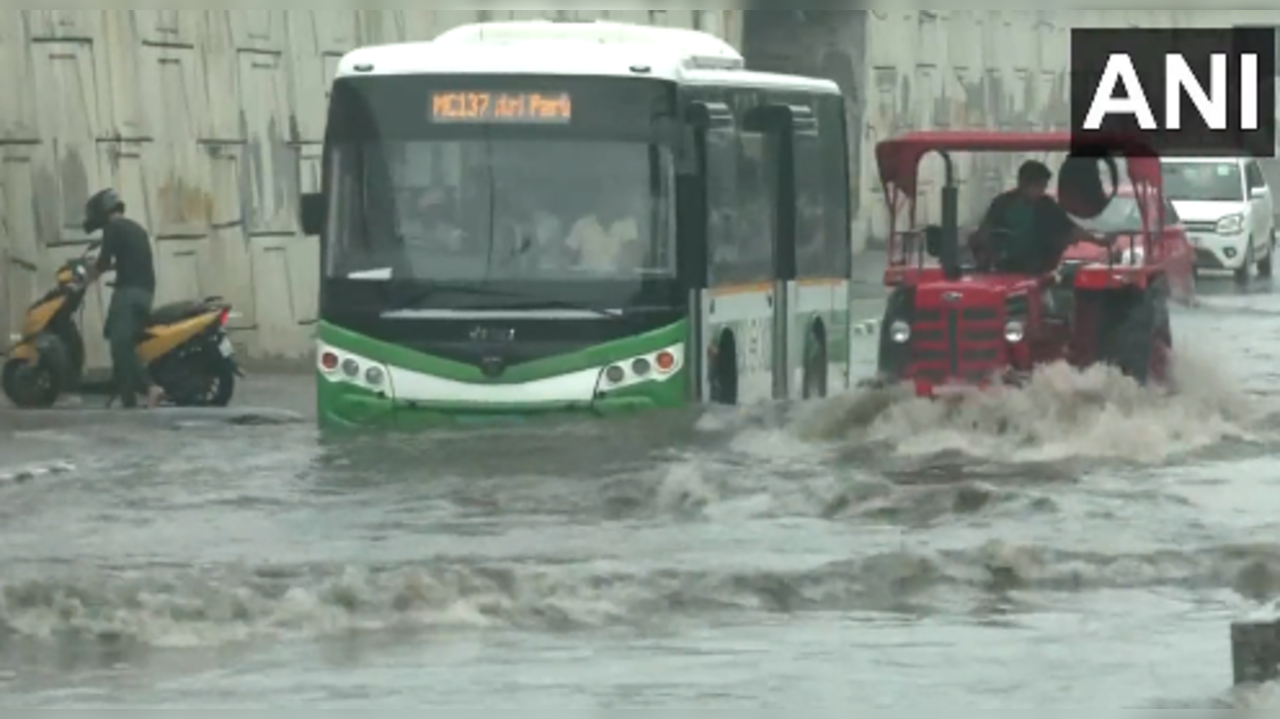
[1079,543]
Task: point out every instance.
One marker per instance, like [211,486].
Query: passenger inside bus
[436,218]
[537,244]
[467,211]
[604,240]
[810,238]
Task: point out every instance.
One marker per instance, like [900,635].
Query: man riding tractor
[1025,231]
[950,326]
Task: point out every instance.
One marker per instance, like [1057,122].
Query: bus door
[710,188]
[779,124]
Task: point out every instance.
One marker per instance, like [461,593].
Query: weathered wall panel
[66,80]
[284,275]
[230,254]
[209,121]
[18,119]
[258,29]
[219,52]
[62,24]
[167,27]
[20,250]
[272,159]
[317,41]
[127,100]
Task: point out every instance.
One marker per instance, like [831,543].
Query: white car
[1227,209]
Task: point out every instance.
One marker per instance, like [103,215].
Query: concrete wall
[209,123]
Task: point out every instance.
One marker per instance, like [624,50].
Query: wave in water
[1061,413]
[213,607]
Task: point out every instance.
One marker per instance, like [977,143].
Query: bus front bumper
[361,410]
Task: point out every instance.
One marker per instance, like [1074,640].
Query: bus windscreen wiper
[538,304]
[406,301]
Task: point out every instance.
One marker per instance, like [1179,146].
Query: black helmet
[99,208]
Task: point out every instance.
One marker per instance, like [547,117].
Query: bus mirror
[933,240]
[312,213]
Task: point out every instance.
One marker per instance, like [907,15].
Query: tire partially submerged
[1137,338]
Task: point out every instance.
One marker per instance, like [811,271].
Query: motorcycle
[184,346]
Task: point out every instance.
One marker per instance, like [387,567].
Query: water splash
[1061,413]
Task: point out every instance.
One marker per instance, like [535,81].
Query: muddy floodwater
[1077,544]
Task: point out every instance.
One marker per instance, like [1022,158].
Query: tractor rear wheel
[1140,342]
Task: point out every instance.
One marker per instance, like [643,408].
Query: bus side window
[812,251]
[722,203]
[835,188]
[743,253]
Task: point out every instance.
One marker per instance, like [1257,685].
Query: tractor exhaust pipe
[949,249]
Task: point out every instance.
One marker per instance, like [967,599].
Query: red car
[1170,244]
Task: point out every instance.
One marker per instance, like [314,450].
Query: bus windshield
[476,210]
[470,198]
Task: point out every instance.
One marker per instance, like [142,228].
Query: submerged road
[1077,544]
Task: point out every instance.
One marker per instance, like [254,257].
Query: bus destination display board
[479,106]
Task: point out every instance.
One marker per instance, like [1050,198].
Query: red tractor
[951,324]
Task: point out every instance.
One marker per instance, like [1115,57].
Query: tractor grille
[964,345]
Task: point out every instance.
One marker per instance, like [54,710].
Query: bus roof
[596,49]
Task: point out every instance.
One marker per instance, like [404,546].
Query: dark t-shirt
[1034,246]
[127,247]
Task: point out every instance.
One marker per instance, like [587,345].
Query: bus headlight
[640,366]
[1014,332]
[350,368]
[656,366]
[899,331]
[339,366]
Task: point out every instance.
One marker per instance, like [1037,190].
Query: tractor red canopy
[899,158]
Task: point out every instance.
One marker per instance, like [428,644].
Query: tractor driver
[1025,231]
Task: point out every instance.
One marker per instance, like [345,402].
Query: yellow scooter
[184,347]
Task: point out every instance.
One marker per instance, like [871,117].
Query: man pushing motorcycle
[126,248]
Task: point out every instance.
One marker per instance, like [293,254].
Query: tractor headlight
[1014,332]
[900,332]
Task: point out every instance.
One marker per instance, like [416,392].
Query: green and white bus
[532,218]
